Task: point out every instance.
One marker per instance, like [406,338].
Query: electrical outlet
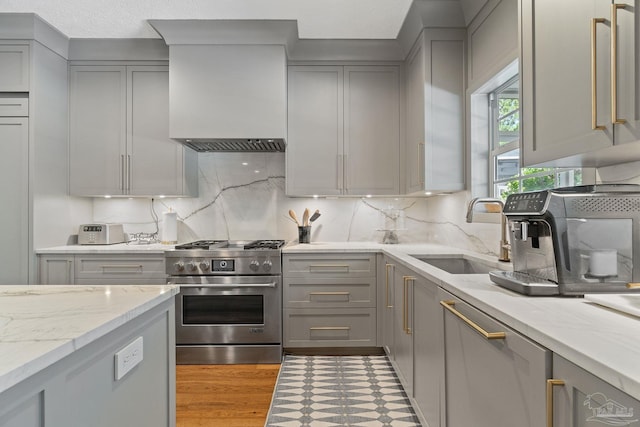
[127,358]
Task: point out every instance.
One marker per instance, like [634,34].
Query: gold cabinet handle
[614,64]
[330,293]
[421,172]
[329,268]
[122,266]
[329,328]
[449,305]
[405,308]
[594,87]
[633,285]
[387,267]
[550,384]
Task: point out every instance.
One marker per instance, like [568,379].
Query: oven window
[223,310]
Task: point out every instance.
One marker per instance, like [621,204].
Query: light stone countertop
[40,325]
[602,341]
[116,249]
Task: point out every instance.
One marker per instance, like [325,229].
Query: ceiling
[340,19]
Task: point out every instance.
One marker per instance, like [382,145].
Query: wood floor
[224,395]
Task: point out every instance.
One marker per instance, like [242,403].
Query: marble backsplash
[242,196]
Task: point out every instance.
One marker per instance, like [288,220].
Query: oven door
[228,310]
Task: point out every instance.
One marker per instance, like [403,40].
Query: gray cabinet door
[372,130]
[386,306]
[14,217]
[403,283]
[491,382]
[428,352]
[435,112]
[155,162]
[14,68]
[315,130]
[580,399]
[55,269]
[97,131]
[557,95]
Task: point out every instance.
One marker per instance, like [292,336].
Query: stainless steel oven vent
[235,145]
[607,205]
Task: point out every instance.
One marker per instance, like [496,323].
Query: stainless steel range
[229,309]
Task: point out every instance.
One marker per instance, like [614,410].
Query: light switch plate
[127,358]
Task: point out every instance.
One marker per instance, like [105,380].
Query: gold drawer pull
[329,328]
[633,285]
[386,293]
[139,266]
[329,268]
[345,293]
[449,305]
[406,304]
[550,384]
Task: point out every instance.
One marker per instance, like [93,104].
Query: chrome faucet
[504,244]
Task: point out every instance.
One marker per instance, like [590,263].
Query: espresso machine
[574,240]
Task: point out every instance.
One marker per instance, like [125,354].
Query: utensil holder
[304,234]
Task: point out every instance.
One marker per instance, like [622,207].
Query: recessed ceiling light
[245,164]
[107,196]
[428,193]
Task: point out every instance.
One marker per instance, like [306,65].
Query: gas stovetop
[232,244]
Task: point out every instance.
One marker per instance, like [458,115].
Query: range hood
[227,83]
[232,145]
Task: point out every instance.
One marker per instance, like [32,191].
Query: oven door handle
[227,285]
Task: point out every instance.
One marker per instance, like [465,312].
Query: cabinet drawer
[14,68]
[330,327]
[12,106]
[329,265]
[319,292]
[115,267]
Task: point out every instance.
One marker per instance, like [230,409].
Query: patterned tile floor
[324,391]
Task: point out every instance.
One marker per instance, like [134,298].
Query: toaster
[100,234]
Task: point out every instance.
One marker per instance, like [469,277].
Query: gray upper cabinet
[343,130]
[119,136]
[14,68]
[575,111]
[435,118]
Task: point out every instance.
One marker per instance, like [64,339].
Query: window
[507,176]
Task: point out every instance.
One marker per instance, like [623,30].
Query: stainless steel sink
[457,264]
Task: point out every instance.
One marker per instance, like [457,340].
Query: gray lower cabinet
[329,300]
[119,269]
[494,376]
[403,284]
[428,353]
[82,389]
[579,399]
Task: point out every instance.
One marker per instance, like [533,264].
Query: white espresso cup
[603,262]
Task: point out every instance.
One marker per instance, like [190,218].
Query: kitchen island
[87,355]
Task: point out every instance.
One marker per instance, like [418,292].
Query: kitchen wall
[242,196]
[627,173]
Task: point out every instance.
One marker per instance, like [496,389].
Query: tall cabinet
[435,118]
[343,130]
[119,134]
[14,179]
[579,82]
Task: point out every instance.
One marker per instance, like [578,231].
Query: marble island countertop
[40,325]
[602,341]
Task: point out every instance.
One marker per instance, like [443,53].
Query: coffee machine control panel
[526,203]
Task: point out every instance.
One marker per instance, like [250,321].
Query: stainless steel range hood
[234,145]
[227,83]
